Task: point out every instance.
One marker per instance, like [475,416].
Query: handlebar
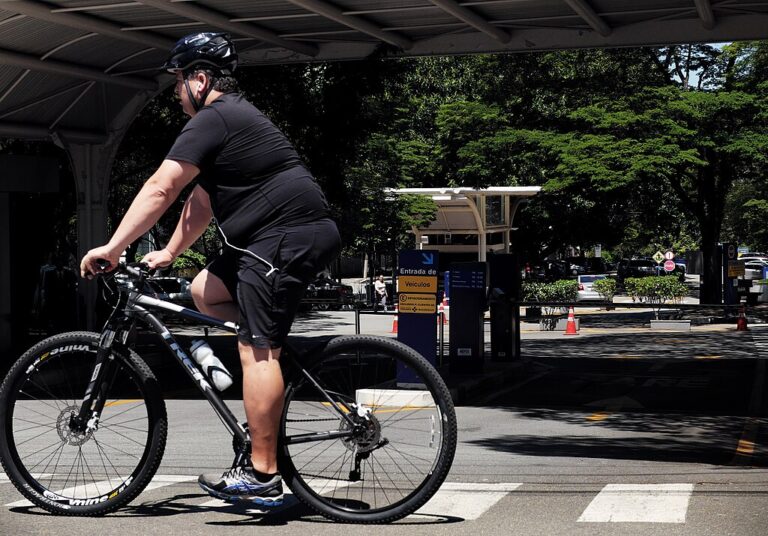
[140,271]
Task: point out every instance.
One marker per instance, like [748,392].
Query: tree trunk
[711,285]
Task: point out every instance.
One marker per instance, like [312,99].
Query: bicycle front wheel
[80,472]
[368,436]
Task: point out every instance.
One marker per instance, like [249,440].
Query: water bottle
[213,368]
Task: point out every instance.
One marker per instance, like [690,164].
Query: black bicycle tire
[442,467]
[157,426]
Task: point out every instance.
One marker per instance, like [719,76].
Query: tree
[698,143]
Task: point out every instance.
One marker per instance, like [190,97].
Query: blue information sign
[418,330]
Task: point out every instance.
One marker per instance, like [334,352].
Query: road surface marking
[466,500]
[639,503]
[468,505]
[319,485]
[158,481]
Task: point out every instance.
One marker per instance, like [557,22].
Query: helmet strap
[197,104]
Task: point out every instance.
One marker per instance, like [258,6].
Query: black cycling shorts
[268,303]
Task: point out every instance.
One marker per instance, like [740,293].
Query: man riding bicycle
[274,221]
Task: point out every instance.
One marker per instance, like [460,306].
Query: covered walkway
[77,72]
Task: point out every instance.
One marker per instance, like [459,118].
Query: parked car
[755,258]
[326,294]
[635,268]
[586,292]
[560,269]
[587,265]
[752,255]
[174,289]
[754,269]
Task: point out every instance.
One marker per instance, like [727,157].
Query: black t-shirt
[252,173]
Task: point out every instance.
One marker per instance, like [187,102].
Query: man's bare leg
[212,297]
[263,400]
[262,378]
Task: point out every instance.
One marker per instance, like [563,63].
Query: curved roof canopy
[470,211]
[68,67]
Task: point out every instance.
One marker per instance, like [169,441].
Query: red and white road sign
[669,266]
[669,255]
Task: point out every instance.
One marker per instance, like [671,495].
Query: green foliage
[606,288]
[630,151]
[564,290]
[532,291]
[190,259]
[655,290]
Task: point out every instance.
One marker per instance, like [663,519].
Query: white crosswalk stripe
[639,503]
[159,481]
[467,501]
[615,503]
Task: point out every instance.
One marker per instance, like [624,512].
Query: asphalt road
[618,431]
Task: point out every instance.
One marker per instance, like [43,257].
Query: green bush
[656,290]
[531,291]
[606,288]
[564,290]
[190,259]
[187,264]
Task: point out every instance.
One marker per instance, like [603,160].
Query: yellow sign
[735,269]
[417,303]
[417,283]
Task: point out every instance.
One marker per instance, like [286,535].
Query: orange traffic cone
[570,327]
[394,321]
[741,323]
[441,311]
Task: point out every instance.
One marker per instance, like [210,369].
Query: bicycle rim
[66,470]
[404,442]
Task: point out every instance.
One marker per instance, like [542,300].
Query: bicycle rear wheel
[66,471]
[398,426]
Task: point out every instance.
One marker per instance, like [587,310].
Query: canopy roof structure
[73,68]
[468,211]
[77,72]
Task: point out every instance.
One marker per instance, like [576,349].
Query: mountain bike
[367,434]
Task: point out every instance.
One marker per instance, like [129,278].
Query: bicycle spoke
[42,402]
[394,446]
[33,437]
[56,467]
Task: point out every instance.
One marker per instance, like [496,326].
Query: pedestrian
[380,289]
[274,222]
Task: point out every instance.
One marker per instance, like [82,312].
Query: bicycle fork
[87,419]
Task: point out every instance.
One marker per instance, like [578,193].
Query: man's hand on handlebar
[90,265]
[157,259]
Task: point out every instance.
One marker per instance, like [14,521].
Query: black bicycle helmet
[208,49]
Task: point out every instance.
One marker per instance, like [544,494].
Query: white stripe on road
[320,485]
[465,500]
[4,477]
[467,505]
[639,503]
[480,486]
[159,481]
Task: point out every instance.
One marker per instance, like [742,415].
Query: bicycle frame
[134,305]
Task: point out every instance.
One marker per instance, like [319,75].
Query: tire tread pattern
[154,397]
[293,480]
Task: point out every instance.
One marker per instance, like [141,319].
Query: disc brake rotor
[66,433]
